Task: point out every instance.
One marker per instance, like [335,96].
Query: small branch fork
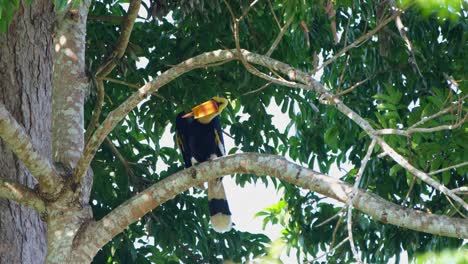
[105,69]
[16,139]
[415,129]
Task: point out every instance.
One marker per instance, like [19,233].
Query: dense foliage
[403,87]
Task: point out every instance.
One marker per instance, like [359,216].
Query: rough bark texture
[70,82]
[25,90]
[97,234]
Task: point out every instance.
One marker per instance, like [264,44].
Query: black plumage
[200,142]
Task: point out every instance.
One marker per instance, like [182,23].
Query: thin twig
[138,87]
[353,87]
[329,219]
[119,156]
[122,42]
[413,181]
[409,46]
[462,189]
[454,207]
[413,129]
[241,57]
[359,41]
[256,90]
[227,134]
[329,251]
[441,112]
[335,230]
[128,170]
[350,234]
[353,194]
[248,10]
[340,80]
[274,14]
[97,110]
[363,167]
[122,83]
[392,131]
[448,168]
[438,128]
[279,37]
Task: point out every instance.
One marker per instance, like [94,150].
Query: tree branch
[122,42]
[19,142]
[350,89]
[359,40]
[311,84]
[97,110]
[279,37]
[441,112]
[413,129]
[274,14]
[22,195]
[111,62]
[449,168]
[412,60]
[394,155]
[460,189]
[438,128]
[114,117]
[97,234]
[351,199]
[219,57]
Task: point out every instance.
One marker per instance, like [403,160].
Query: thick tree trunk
[25,90]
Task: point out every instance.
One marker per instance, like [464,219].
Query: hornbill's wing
[182,131]
[221,150]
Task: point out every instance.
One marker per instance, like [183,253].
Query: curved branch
[19,142]
[114,117]
[97,234]
[22,195]
[308,83]
[219,57]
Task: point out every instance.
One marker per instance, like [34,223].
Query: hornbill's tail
[219,208]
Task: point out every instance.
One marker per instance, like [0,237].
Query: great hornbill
[200,138]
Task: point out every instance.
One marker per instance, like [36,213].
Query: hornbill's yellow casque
[200,138]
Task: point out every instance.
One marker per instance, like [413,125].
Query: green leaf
[395,169]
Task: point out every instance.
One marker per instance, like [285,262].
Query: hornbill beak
[211,107]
